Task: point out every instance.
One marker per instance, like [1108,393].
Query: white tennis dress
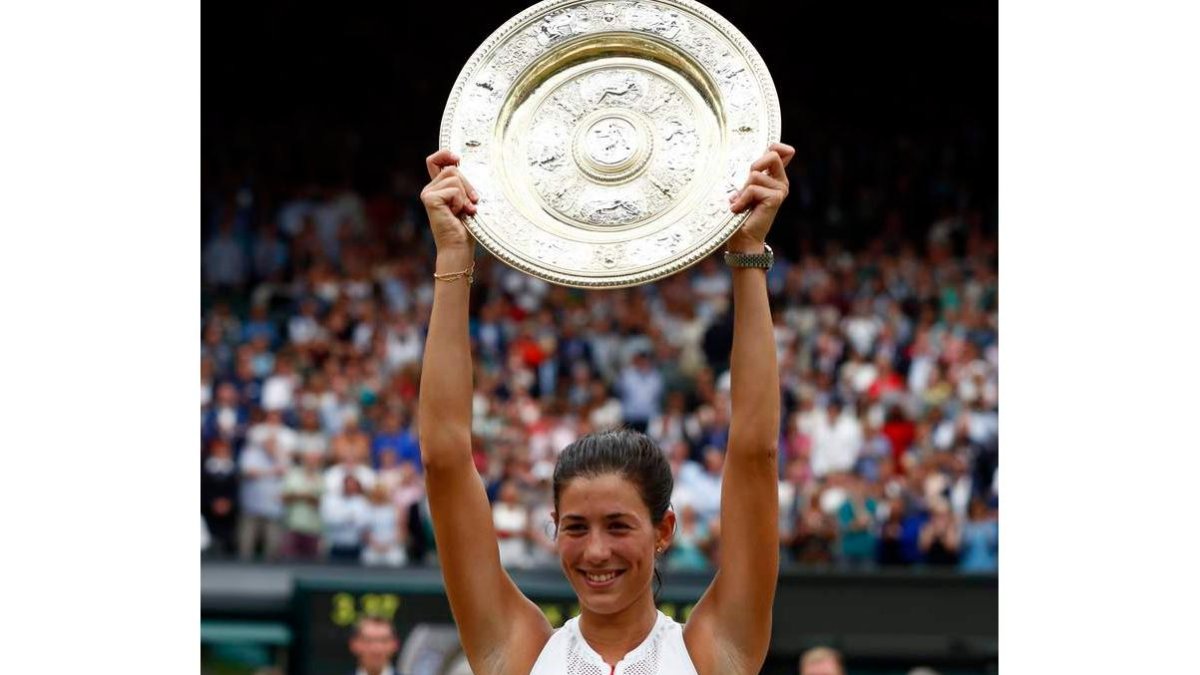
[661,653]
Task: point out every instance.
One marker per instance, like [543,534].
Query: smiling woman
[612,496]
[611,490]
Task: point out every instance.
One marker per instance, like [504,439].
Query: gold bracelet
[468,273]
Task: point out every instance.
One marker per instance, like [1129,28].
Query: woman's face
[606,541]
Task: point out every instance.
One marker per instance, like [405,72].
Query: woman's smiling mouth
[601,579]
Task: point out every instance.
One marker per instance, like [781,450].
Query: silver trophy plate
[605,138]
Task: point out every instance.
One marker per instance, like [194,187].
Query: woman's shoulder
[555,652]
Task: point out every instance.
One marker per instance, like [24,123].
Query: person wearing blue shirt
[980,540]
[392,434]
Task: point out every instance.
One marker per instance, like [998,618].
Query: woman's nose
[597,548]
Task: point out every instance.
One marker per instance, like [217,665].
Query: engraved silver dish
[605,137]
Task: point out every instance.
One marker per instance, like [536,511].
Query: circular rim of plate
[498,248]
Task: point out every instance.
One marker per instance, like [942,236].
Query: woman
[611,490]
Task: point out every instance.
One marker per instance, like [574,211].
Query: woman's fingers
[785,152]
[766,180]
[772,163]
[452,197]
[755,194]
[438,160]
[456,172]
[452,175]
[449,178]
[770,188]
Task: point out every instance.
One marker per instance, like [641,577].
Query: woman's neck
[613,636]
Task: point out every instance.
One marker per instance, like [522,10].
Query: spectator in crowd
[892,548]
[335,475]
[273,430]
[941,537]
[390,474]
[602,411]
[856,524]
[543,550]
[791,495]
[821,661]
[700,484]
[279,390]
[672,425]
[346,516]
[409,494]
[259,326]
[836,440]
[228,419]
[401,441]
[270,254]
[374,646]
[310,438]
[692,541]
[511,520]
[261,500]
[814,535]
[304,328]
[302,490]
[218,495]
[352,445]
[641,387]
[385,536]
[223,259]
[980,540]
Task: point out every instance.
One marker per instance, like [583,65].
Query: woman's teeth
[601,578]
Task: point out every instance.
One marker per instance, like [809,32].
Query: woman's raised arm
[501,630]
[730,629]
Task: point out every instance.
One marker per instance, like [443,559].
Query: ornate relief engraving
[611,169]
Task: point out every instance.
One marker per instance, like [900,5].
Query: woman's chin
[598,604]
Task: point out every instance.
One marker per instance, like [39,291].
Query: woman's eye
[618,526]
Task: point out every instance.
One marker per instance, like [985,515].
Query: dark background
[892,106]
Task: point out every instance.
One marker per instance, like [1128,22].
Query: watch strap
[762,260]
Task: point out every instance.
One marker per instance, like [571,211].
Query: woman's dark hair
[627,453]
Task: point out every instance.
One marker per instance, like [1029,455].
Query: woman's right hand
[447,198]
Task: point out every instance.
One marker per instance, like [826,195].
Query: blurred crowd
[314,317]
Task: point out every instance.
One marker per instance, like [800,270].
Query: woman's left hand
[763,193]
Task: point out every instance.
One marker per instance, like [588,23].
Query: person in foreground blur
[374,646]
[821,661]
[611,490]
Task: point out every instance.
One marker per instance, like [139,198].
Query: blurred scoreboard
[328,610]
[909,616]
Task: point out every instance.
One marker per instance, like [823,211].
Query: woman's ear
[665,531]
